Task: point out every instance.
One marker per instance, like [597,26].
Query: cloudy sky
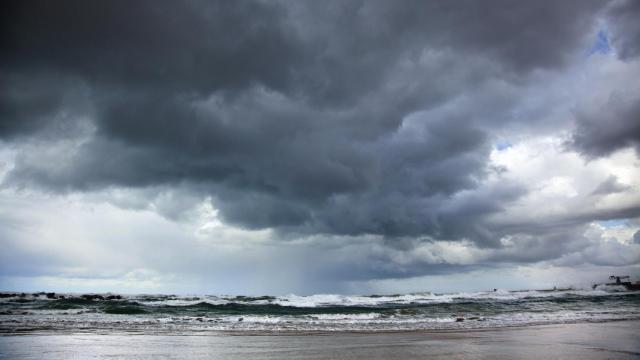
[305,147]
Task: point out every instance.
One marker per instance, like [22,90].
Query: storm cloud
[343,119]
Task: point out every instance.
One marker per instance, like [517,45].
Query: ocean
[158,314]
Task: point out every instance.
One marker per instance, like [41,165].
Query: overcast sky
[318,146]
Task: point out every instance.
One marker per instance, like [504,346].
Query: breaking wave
[325,312]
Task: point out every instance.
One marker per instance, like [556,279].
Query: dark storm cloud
[293,115]
[195,46]
[40,104]
[614,126]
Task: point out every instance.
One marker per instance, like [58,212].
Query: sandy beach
[612,340]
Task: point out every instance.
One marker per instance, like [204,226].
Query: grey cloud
[625,28]
[542,244]
[636,237]
[155,45]
[526,36]
[614,126]
[47,104]
[610,186]
[292,115]
[611,253]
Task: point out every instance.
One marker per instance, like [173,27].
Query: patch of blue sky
[503,145]
[613,223]
[601,45]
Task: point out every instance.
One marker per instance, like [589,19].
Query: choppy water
[20,313]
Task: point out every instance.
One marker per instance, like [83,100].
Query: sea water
[78,313]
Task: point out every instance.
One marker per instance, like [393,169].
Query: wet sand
[613,340]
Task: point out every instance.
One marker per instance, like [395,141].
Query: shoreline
[610,340]
[411,331]
[285,333]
